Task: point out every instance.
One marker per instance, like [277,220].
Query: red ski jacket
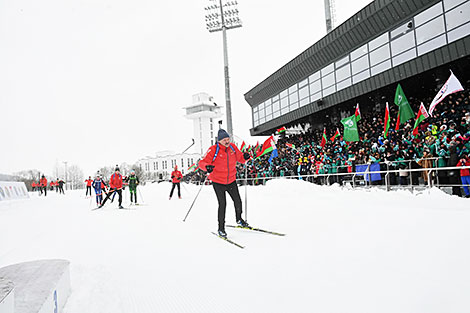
[115,181]
[88,182]
[43,182]
[176,176]
[465,171]
[224,161]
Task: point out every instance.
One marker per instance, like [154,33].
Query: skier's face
[225,142]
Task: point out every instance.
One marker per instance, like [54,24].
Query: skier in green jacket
[133,181]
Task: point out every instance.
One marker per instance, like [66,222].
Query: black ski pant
[133,191]
[45,190]
[232,190]
[111,192]
[173,188]
[61,190]
[88,189]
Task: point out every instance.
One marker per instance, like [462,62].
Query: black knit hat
[222,134]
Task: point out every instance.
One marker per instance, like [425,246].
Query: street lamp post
[65,163]
[222,17]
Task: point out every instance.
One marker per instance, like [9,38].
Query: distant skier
[220,161]
[88,182]
[60,183]
[97,184]
[133,181]
[115,185]
[176,177]
[43,185]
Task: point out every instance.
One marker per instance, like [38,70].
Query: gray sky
[100,82]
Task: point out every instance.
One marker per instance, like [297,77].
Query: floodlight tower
[330,15]
[222,15]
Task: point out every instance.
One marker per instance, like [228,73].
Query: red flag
[397,126]
[242,147]
[335,135]
[357,113]
[323,139]
[422,114]
[386,120]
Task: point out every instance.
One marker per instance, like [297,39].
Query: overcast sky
[100,82]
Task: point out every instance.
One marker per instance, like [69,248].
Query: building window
[378,42]
[360,64]
[379,55]
[458,16]
[359,52]
[403,43]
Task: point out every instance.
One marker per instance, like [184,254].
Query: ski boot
[222,233]
[242,223]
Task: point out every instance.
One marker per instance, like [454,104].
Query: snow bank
[345,250]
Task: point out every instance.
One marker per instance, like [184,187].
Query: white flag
[452,85]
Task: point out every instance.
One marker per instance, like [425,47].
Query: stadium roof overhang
[378,17]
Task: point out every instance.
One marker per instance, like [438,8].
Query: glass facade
[441,24]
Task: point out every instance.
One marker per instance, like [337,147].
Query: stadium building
[414,42]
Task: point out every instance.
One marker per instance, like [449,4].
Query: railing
[366,175]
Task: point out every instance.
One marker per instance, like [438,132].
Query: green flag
[404,109]
[350,129]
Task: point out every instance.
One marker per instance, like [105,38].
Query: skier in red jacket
[88,182]
[220,161]
[176,177]
[115,185]
[43,184]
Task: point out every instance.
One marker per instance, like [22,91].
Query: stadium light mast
[330,15]
[65,163]
[223,16]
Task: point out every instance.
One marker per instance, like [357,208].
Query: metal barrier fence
[363,179]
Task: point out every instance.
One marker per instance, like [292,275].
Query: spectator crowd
[442,141]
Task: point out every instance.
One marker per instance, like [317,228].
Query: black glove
[209,168]
[246,156]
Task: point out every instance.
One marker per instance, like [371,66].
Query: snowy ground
[345,251]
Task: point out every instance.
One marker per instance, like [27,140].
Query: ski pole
[184,220]
[140,194]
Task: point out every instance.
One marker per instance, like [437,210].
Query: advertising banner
[10,190]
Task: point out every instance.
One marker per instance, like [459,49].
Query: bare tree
[27,176]
[75,176]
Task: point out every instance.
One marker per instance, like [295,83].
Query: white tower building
[206,115]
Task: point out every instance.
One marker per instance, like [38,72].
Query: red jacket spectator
[225,162]
[43,182]
[88,182]
[176,175]
[115,181]
[464,171]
